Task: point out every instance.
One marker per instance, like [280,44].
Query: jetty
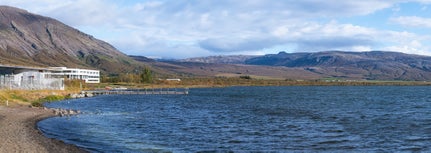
[157,91]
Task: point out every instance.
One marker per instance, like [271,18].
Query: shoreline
[19,132]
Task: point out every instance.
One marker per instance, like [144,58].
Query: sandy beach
[18,131]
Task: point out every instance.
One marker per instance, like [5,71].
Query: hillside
[231,59]
[33,40]
[375,65]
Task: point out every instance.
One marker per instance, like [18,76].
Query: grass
[32,97]
[49,98]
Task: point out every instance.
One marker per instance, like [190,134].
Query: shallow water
[248,119]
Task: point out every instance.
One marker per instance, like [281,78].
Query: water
[252,119]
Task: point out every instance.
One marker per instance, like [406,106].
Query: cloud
[334,43]
[412,21]
[406,42]
[315,36]
[336,8]
[237,45]
[183,28]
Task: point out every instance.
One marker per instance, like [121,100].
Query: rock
[65,112]
[89,95]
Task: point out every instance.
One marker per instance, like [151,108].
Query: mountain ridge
[371,65]
[33,40]
[226,59]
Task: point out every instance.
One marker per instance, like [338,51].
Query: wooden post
[7,102]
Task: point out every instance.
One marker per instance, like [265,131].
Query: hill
[231,59]
[32,40]
[374,65]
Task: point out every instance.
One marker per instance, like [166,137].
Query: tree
[146,76]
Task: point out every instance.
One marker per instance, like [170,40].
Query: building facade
[28,78]
[89,76]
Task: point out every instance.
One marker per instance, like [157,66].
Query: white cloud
[184,28]
[336,8]
[412,21]
[407,42]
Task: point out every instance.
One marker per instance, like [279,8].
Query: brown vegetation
[191,82]
[37,97]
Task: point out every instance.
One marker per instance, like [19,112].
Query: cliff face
[33,40]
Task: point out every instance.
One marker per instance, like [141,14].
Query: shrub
[245,77]
[36,104]
[50,98]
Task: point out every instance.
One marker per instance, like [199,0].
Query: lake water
[252,119]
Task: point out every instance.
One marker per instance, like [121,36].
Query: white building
[89,76]
[30,78]
[26,78]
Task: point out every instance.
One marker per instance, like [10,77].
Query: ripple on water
[248,119]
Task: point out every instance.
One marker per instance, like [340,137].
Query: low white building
[89,76]
[30,78]
[27,78]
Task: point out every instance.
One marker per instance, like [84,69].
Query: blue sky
[194,28]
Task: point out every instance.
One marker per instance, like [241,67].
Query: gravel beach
[18,131]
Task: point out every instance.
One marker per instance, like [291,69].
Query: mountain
[231,59]
[374,65]
[32,40]
[195,69]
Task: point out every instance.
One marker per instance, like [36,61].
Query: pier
[159,91]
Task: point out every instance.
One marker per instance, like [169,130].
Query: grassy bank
[37,97]
[31,97]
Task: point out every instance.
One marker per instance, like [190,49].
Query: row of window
[75,72]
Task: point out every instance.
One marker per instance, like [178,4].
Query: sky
[176,29]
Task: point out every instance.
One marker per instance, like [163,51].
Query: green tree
[147,76]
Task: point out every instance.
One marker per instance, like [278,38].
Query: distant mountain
[373,65]
[142,59]
[33,40]
[231,59]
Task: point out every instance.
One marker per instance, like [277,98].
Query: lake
[251,119]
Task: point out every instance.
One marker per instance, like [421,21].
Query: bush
[36,104]
[50,98]
[245,77]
